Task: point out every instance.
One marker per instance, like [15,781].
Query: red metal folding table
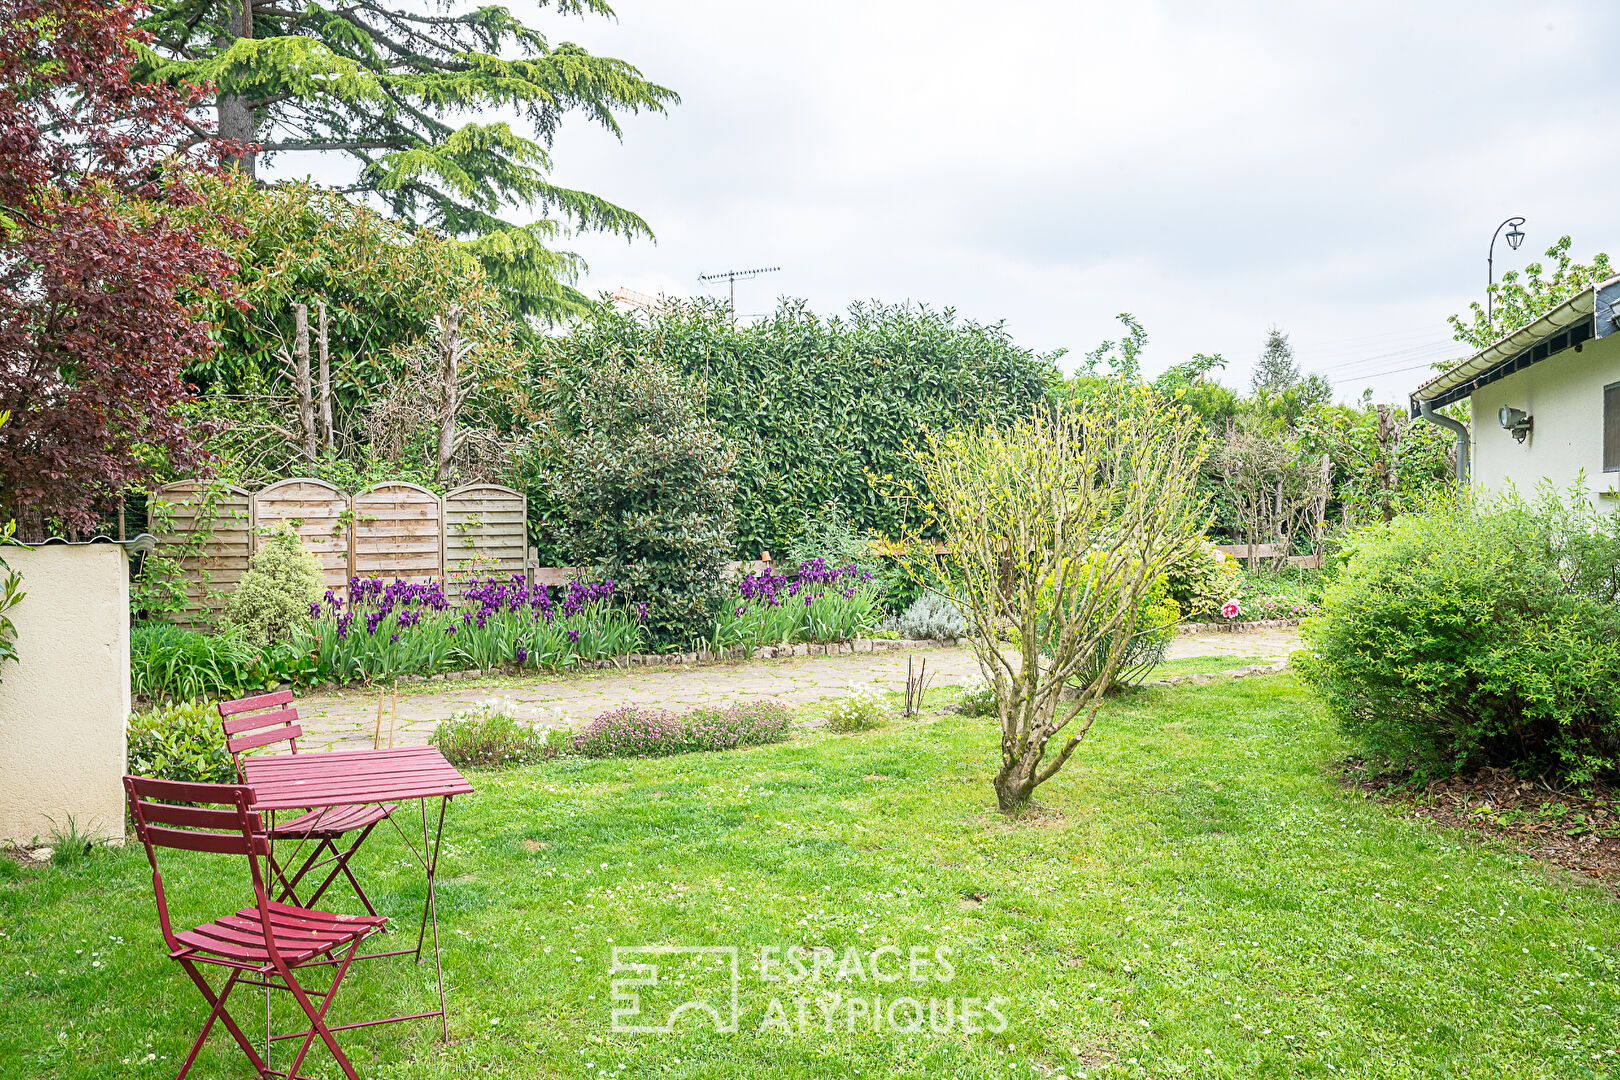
[360,777]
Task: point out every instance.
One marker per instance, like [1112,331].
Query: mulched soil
[1579,833]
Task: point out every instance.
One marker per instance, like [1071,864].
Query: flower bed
[1259,596]
[821,604]
[638,731]
[404,628]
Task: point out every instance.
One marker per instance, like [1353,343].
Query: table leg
[430,911]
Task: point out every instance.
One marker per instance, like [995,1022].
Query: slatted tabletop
[350,777]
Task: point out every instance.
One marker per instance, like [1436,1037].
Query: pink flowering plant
[641,731]
[1259,595]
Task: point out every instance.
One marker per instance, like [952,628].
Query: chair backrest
[196,817]
[264,720]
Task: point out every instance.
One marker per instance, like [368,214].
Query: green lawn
[1197,898]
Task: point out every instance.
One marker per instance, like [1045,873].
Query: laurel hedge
[814,405]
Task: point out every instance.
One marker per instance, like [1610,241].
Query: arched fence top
[188,487]
[396,485]
[398,533]
[299,482]
[495,489]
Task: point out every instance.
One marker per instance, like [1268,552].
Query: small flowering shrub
[1265,594]
[180,742]
[629,731]
[639,731]
[820,603]
[978,698]
[281,583]
[710,727]
[863,710]
[488,736]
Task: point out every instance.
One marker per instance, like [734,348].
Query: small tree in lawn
[1059,526]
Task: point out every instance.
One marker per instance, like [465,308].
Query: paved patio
[346,719]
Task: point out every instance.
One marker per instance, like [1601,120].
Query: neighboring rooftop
[1593,312]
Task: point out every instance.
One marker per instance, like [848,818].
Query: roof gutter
[1594,312]
[1457,428]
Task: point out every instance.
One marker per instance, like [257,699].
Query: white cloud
[1213,167]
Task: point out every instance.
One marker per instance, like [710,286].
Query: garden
[1198,896]
[368,463]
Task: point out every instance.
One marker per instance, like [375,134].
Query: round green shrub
[180,742]
[1201,581]
[638,482]
[275,593]
[1476,633]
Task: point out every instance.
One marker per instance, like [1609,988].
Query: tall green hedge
[813,404]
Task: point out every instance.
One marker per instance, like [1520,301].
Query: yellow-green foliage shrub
[276,592]
[1154,627]
[1201,580]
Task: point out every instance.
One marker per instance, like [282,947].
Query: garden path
[346,719]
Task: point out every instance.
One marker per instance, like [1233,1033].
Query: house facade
[1544,401]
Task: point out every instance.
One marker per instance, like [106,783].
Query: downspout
[1457,428]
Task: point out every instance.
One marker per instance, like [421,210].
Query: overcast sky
[1212,167]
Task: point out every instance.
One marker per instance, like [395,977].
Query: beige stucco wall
[64,703]
[1565,395]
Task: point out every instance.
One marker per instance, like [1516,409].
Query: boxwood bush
[1481,632]
[180,742]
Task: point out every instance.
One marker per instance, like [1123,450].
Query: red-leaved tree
[102,289]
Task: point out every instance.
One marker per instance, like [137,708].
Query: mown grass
[1195,897]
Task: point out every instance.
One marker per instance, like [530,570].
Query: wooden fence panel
[212,563]
[485,534]
[319,513]
[398,533]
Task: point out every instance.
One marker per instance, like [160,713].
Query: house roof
[1588,314]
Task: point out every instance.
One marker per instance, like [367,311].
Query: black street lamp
[1514,239]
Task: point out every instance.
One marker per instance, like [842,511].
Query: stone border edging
[705,657]
[1237,627]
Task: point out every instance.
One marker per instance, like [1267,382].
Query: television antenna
[730,277]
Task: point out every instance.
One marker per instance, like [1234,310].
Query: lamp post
[1514,239]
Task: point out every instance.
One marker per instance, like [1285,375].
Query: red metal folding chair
[261,945]
[265,720]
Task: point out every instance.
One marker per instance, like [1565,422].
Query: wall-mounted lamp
[1516,421]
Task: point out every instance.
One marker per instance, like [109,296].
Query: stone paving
[347,719]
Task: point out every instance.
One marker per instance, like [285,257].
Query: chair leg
[218,1012]
[317,1017]
[343,868]
[310,863]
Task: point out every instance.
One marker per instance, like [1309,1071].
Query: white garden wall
[64,704]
